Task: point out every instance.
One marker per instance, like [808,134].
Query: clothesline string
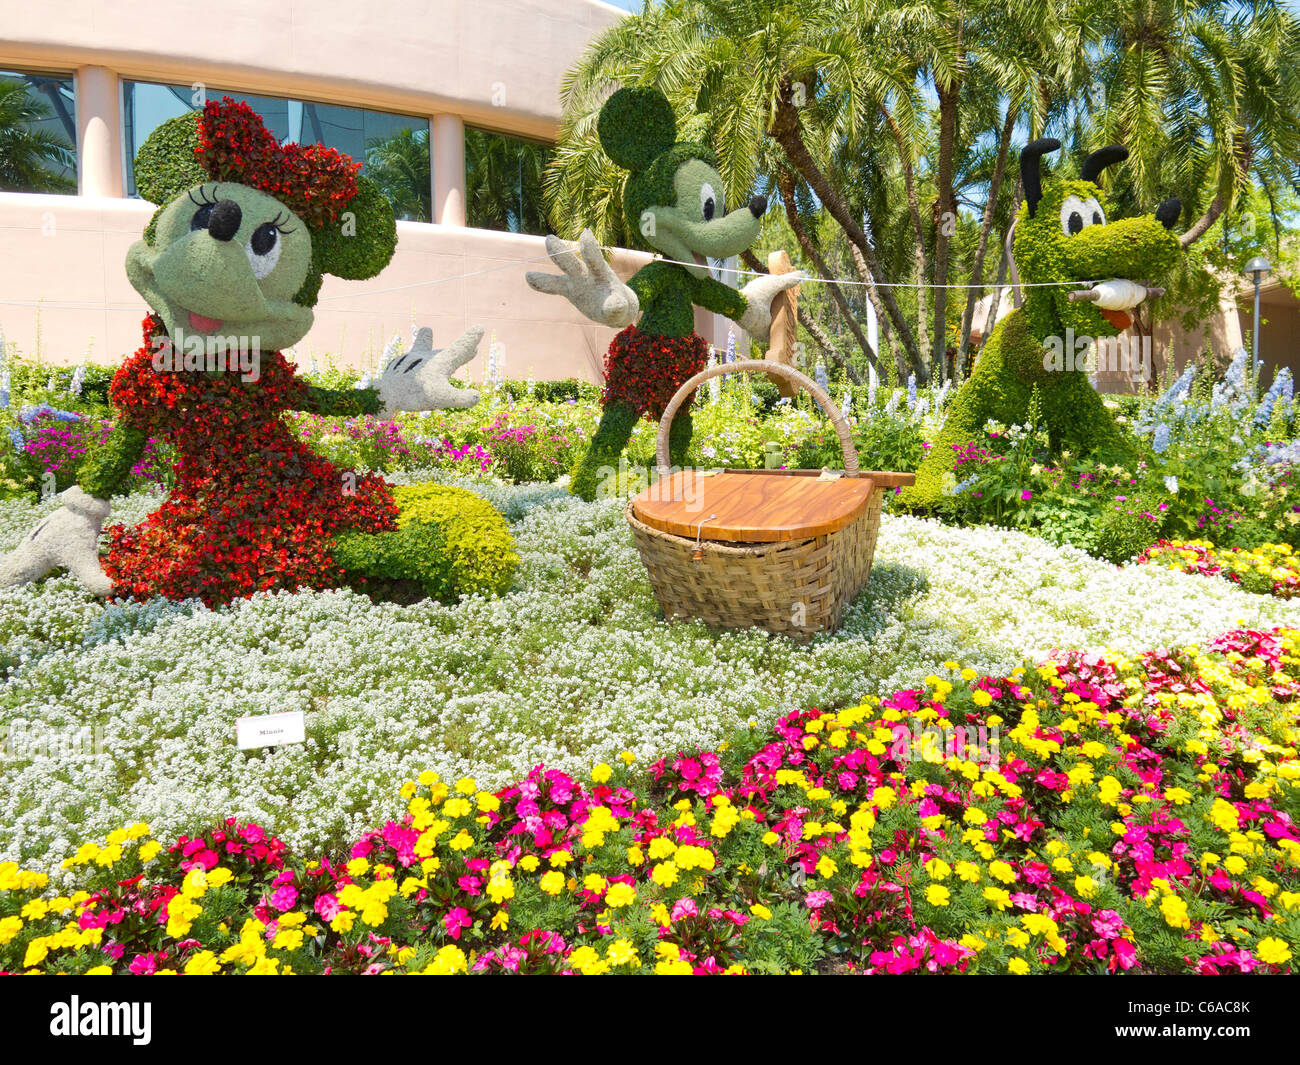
[808,280]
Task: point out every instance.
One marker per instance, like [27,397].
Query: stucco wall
[62,283]
[494,62]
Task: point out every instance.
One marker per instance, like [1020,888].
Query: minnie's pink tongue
[202,324]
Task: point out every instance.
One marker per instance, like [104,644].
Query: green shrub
[448,542]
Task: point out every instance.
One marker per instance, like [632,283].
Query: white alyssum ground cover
[113,714]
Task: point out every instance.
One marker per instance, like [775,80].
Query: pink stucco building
[440,65]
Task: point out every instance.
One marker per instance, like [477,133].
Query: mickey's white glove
[588,282]
[759,293]
[69,538]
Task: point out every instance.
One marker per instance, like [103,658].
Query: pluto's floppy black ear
[1029,174]
[1100,159]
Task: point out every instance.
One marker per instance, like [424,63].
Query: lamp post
[1257,269]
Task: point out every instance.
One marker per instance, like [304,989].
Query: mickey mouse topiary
[231,266]
[1063,244]
[674,203]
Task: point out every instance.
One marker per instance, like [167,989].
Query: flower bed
[1272,569]
[126,712]
[1088,815]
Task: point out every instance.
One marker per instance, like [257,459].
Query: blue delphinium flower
[1161,440]
[16,438]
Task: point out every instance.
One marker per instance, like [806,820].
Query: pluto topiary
[1082,276]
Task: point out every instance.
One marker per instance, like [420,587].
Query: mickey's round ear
[165,165]
[635,125]
[361,241]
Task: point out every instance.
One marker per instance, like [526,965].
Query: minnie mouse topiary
[231,266]
[673,202]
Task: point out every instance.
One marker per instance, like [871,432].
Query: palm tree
[31,159]
[1203,93]
[399,166]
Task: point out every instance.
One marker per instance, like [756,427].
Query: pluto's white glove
[69,538]
[588,282]
[759,293]
[421,379]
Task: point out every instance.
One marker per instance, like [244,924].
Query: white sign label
[270,730]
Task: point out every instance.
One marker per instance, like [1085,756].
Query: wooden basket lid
[757,506]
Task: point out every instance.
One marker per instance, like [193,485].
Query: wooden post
[785,321]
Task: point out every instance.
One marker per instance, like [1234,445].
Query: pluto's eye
[202,217]
[710,202]
[264,249]
[1077,215]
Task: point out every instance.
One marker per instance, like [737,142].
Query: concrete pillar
[447,156]
[99,132]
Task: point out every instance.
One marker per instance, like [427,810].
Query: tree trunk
[785,184]
[986,228]
[754,263]
[918,230]
[1223,195]
[785,131]
[946,222]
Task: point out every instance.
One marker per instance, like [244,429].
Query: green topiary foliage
[108,467]
[359,244]
[448,541]
[1063,242]
[636,123]
[165,165]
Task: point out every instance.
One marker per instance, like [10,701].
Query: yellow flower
[1273,951]
[761,912]
[664,874]
[1002,871]
[1018,966]
[552,882]
[204,963]
[620,895]
[601,773]
[621,952]
[937,868]
[937,895]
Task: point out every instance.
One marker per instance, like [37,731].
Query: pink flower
[815,900]
[456,921]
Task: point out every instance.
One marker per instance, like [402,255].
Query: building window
[503,182]
[38,132]
[393,149]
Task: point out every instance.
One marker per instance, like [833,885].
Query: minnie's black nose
[1167,213]
[757,206]
[224,221]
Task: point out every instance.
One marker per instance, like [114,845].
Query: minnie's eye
[264,249]
[202,217]
[710,202]
[1096,218]
[1075,224]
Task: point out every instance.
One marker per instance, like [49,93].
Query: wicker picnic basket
[783,550]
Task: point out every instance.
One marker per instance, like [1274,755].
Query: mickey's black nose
[224,221]
[1167,213]
[757,206]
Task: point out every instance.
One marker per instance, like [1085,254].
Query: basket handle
[776,369]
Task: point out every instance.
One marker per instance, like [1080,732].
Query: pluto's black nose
[1167,213]
[224,221]
[757,206]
